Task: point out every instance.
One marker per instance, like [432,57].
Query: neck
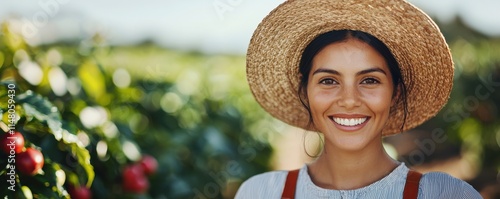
[347,170]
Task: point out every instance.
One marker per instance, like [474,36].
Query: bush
[93,121]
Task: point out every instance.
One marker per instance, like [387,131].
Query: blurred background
[129,99]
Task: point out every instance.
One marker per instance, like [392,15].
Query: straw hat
[414,39]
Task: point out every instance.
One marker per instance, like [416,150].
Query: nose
[349,98]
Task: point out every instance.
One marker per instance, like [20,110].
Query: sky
[208,26]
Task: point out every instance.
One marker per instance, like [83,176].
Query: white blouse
[433,185]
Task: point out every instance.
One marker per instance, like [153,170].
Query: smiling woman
[349,94]
[357,71]
[387,65]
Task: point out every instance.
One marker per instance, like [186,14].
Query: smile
[349,121]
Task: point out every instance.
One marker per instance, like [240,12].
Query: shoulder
[442,185]
[265,185]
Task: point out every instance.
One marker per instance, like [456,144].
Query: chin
[352,142]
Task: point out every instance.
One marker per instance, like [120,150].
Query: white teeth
[349,122]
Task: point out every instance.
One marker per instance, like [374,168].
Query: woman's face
[350,93]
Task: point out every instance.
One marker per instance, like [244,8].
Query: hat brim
[414,39]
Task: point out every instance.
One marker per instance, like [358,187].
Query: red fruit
[134,179]
[14,142]
[149,164]
[81,192]
[30,161]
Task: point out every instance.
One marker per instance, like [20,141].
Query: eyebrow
[334,72]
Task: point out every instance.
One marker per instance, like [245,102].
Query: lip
[349,116]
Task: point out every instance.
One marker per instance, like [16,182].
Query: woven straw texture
[414,39]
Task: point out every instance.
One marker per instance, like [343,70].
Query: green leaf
[48,181]
[93,81]
[83,158]
[43,110]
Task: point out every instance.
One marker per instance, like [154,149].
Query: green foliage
[471,117]
[40,122]
[93,109]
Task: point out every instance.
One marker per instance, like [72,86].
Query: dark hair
[341,35]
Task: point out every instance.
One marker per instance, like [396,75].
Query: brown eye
[327,81]
[370,81]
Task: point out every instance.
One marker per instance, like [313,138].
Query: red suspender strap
[411,186]
[290,185]
[410,190]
